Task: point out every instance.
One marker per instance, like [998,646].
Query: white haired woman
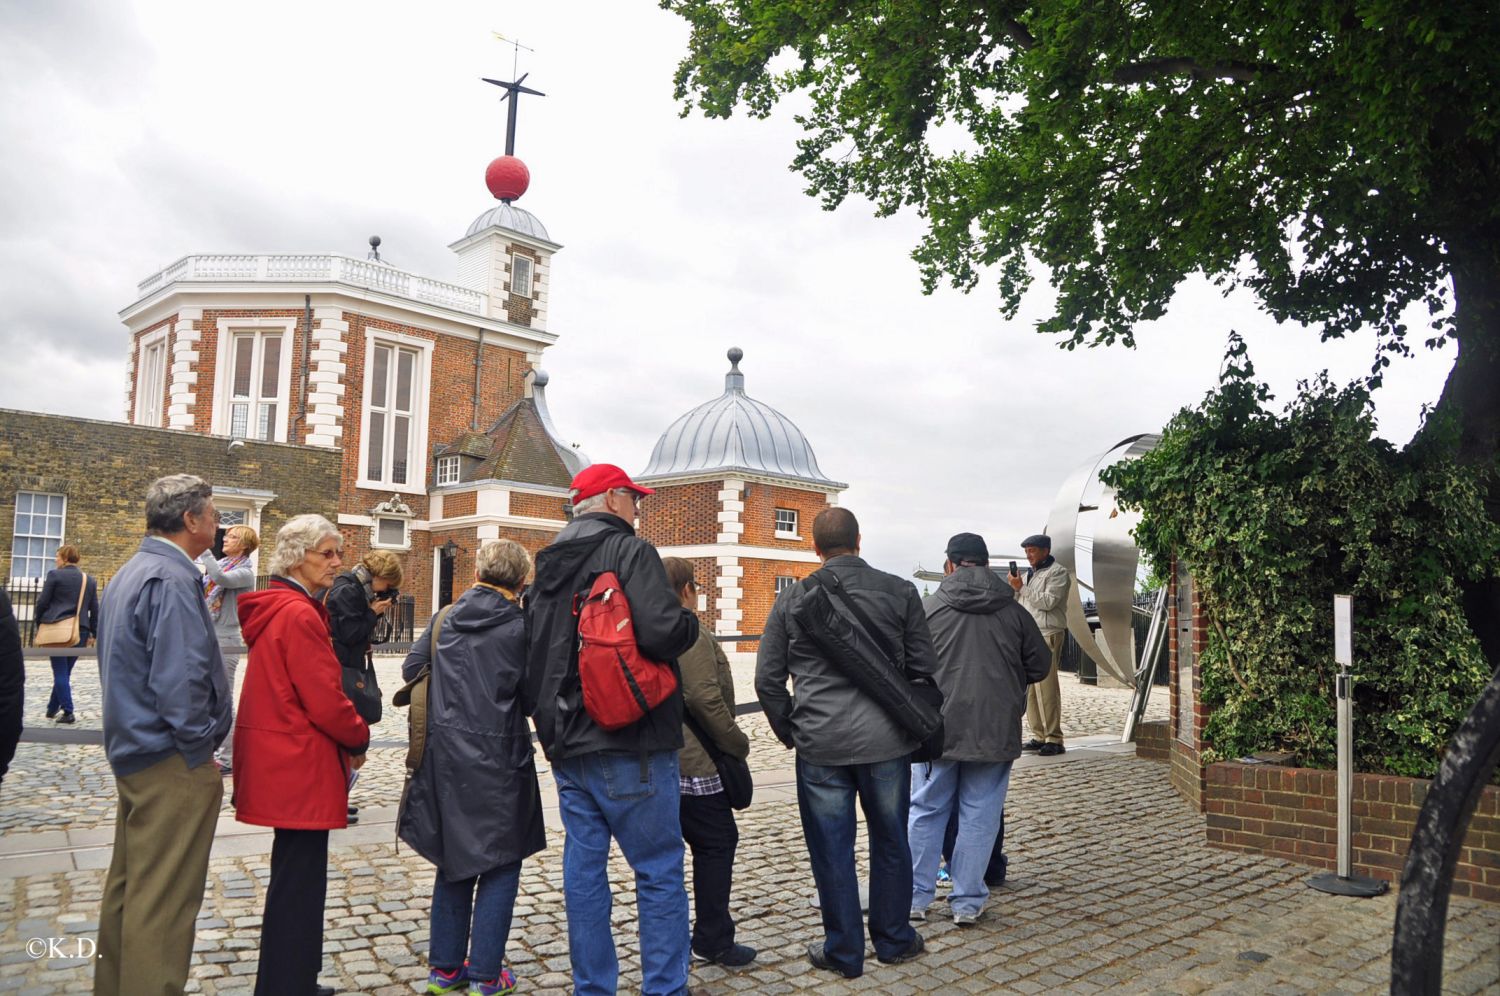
[473,807]
[296,740]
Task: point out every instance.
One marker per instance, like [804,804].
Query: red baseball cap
[598,478]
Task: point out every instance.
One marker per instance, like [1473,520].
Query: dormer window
[447,470]
[520,275]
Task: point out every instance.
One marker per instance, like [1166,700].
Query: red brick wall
[1153,740]
[537,506]
[759,516]
[682,514]
[210,326]
[1292,813]
[1186,769]
[455,505]
[759,584]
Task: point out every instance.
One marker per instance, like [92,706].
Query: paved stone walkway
[1112,890]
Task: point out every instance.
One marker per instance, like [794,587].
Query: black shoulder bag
[916,705]
[734,772]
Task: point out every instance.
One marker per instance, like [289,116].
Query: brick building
[82,481]
[737,489]
[412,382]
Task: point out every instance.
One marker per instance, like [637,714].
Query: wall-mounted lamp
[450,549]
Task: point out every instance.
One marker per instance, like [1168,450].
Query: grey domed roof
[734,432]
[511,217]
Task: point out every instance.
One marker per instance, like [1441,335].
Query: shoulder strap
[831,581]
[82,590]
[707,742]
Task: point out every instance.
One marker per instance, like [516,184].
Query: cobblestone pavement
[1112,890]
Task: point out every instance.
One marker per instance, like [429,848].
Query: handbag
[734,772]
[63,632]
[361,688]
[915,704]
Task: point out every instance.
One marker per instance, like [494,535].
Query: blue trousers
[472,917]
[976,789]
[634,799]
[61,699]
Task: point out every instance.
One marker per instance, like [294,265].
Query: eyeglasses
[693,585]
[635,497]
[326,554]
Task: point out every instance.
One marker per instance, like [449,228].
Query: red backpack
[620,685]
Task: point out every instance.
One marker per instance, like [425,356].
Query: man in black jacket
[848,746]
[12,683]
[611,783]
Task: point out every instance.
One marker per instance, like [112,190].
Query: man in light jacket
[848,746]
[989,649]
[1044,592]
[166,709]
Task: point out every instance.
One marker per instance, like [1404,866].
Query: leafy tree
[1338,158]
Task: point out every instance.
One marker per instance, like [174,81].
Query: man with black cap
[623,783]
[989,649]
[1044,592]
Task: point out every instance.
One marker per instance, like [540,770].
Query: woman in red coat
[297,740]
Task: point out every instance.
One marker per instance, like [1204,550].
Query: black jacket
[12,682]
[351,621]
[473,804]
[989,649]
[59,599]
[588,546]
[831,722]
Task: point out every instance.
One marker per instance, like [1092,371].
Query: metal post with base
[1344,882]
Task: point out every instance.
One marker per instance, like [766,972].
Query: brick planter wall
[1153,740]
[1292,813]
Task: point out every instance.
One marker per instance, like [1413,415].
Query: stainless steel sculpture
[1113,561]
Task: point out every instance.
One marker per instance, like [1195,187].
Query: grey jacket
[1045,595]
[708,694]
[989,649]
[473,804]
[165,689]
[827,718]
[232,582]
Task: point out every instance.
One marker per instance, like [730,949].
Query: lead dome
[734,432]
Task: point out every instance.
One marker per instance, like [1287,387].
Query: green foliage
[1336,157]
[1277,513]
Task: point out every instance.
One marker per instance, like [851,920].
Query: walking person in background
[1044,593]
[472,807]
[12,684]
[359,606]
[60,599]
[989,649]
[708,825]
[223,580]
[166,709]
[298,740]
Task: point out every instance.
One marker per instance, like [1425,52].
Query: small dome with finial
[734,432]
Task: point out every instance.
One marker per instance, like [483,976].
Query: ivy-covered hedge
[1274,514]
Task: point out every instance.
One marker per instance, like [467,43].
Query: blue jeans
[634,799]
[825,798]
[977,789]
[490,904]
[61,698]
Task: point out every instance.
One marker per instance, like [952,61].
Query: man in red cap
[620,784]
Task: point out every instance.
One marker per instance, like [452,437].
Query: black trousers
[994,872]
[291,928]
[710,832]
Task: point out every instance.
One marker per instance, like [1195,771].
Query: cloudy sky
[136,133]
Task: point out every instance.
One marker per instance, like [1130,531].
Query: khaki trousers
[1044,699]
[164,829]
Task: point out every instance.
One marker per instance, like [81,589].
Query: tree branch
[1166,67]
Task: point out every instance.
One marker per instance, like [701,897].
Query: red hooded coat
[294,724]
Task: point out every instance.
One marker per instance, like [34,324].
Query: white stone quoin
[183,375]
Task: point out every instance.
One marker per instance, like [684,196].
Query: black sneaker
[66,717]
[916,947]
[734,956]
[819,959]
[1051,750]
[52,712]
[1032,745]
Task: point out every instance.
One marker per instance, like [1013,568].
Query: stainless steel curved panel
[1116,558]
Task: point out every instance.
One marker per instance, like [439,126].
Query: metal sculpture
[1113,561]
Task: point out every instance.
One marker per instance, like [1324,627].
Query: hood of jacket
[258,608]
[481,611]
[974,589]
[558,564]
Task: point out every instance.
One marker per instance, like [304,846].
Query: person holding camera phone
[359,615]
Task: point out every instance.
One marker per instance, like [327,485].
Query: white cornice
[730,473]
[514,521]
[507,235]
[739,550]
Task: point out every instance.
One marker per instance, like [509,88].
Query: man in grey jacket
[989,649]
[848,746]
[1044,593]
[166,708]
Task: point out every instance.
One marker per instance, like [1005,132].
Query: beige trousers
[1044,699]
[164,829]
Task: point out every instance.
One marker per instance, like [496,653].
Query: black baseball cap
[967,546]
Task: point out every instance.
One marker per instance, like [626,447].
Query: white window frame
[222,422]
[448,470]
[375,540]
[786,533]
[250,509]
[783,582]
[516,259]
[47,561]
[150,409]
[416,477]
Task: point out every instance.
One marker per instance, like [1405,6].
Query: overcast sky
[136,133]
